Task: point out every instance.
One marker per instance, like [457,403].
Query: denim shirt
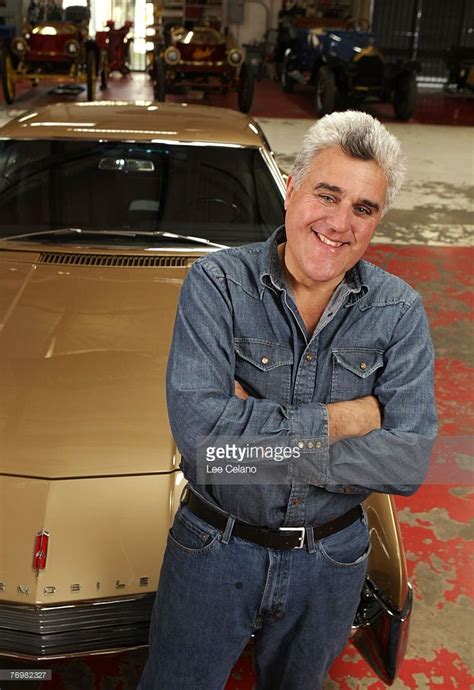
[237,319]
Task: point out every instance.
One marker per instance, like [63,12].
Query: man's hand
[353,418]
[240,392]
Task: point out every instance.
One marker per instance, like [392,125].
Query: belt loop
[228,530]
[310,539]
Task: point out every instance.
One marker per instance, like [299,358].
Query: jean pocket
[354,372]
[191,534]
[264,368]
[347,548]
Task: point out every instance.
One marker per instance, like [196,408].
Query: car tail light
[235,57]
[172,55]
[72,47]
[19,46]
[41,550]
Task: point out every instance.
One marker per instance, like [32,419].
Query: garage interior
[426,239]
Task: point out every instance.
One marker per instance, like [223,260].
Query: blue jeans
[216,591]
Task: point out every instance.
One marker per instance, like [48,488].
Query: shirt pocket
[354,372]
[264,368]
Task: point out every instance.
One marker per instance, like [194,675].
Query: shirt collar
[271,275]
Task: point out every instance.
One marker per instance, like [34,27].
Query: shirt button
[363,365]
[310,444]
[348,490]
[318,444]
[265,359]
[300,444]
[309,357]
[295,501]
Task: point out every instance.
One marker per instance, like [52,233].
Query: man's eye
[326,197]
[363,211]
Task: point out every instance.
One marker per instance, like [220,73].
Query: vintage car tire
[159,85]
[245,88]
[103,72]
[287,83]
[90,74]
[326,96]
[404,100]
[8,80]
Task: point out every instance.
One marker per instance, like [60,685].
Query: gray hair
[359,135]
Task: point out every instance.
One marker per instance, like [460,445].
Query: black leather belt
[281,538]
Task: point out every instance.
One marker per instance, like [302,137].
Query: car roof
[139,121]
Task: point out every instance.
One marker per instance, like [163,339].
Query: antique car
[58,51]
[100,219]
[200,58]
[344,66]
[114,47]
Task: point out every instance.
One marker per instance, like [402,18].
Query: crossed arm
[347,419]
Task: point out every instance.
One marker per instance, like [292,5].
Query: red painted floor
[434,106]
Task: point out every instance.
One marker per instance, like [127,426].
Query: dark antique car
[59,51]
[100,219]
[200,58]
[344,66]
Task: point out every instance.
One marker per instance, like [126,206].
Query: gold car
[103,208]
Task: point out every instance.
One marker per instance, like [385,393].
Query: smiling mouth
[328,242]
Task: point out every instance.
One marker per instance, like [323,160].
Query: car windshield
[223,194]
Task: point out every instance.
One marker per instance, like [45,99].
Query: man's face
[332,216]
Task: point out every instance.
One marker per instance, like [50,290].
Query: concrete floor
[427,239]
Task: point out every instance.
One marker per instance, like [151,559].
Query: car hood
[83,353]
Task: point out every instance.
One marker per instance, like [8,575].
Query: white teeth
[331,243]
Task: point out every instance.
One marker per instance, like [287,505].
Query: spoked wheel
[326,92]
[91,74]
[8,76]
[404,100]
[159,85]
[245,89]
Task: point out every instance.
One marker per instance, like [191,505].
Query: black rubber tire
[404,99]
[8,84]
[245,88]
[159,84]
[90,74]
[287,83]
[326,96]
[103,72]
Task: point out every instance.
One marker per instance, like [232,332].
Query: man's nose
[339,217]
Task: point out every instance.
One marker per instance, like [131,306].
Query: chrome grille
[70,628]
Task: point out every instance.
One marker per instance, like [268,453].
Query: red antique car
[58,51]
[201,58]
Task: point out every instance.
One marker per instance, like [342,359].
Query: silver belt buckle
[301,530]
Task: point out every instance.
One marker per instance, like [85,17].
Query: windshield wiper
[117,233]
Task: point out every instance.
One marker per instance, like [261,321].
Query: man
[298,343]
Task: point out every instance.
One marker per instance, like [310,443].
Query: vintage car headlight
[19,46]
[72,47]
[235,57]
[172,55]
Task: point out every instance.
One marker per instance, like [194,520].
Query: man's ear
[290,188]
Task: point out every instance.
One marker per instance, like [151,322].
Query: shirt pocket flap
[263,354]
[361,362]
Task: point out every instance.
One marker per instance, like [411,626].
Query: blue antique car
[345,66]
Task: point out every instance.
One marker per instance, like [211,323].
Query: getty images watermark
[234,461]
